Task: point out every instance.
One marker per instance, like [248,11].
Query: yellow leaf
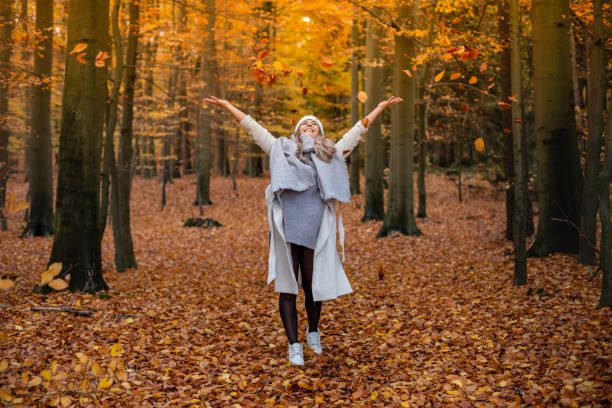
[5,396]
[405,404]
[66,400]
[116,390]
[48,275]
[503,383]
[34,381]
[82,357]
[46,375]
[473,80]
[319,400]
[3,365]
[116,350]
[78,48]
[121,375]
[278,66]
[6,284]
[479,144]
[96,369]
[105,383]
[58,284]
[53,366]
[455,76]
[453,392]
[374,395]
[438,77]
[362,96]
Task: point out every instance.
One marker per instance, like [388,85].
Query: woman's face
[309,127]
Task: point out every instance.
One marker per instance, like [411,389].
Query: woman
[308,174]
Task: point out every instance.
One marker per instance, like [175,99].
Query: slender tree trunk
[506,114]
[605,178]
[374,148]
[422,132]
[520,254]
[26,56]
[40,222]
[559,175]
[181,85]
[149,161]
[204,129]
[400,205]
[77,243]
[6,50]
[124,247]
[354,157]
[108,164]
[596,103]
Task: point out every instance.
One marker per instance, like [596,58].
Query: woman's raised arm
[236,113]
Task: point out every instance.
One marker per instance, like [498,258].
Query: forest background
[103,121]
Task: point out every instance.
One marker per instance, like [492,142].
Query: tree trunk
[422,143]
[77,243]
[400,210]
[204,129]
[40,222]
[520,254]
[506,114]
[149,162]
[354,157]
[6,30]
[559,175]
[595,107]
[124,247]
[605,299]
[181,85]
[374,148]
[108,164]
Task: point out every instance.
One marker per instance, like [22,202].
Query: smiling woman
[308,175]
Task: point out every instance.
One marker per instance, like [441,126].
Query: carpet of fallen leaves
[433,321]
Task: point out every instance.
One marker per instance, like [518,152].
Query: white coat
[328,278]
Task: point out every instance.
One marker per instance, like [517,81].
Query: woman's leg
[286,301]
[313,309]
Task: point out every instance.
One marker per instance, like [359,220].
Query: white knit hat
[310,117]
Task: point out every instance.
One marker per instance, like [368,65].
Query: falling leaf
[58,284]
[101,59]
[362,96]
[81,58]
[304,91]
[264,41]
[78,48]
[479,144]
[438,77]
[6,284]
[513,98]
[407,72]
[504,105]
[454,76]
[483,67]
[473,80]
[365,122]
[464,107]
[262,54]
[326,62]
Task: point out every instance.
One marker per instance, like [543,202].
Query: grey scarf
[287,172]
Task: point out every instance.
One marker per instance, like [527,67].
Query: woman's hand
[391,101]
[381,107]
[216,101]
[236,113]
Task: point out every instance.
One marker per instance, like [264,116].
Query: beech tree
[77,243]
[6,29]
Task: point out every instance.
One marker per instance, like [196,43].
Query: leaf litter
[433,321]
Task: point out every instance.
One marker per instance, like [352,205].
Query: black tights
[302,258]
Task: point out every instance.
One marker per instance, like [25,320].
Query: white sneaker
[296,354]
[314,341]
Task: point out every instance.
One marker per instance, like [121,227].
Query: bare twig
[63,309]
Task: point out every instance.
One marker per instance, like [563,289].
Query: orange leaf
[407,72]
[101,58]
[81,58]
[504,105]
[262,54]
[438,77]
[455,76]
[326,62]
[479,144]
[78,48]
[483,67]
[365,122]
[362,96]
[473,80]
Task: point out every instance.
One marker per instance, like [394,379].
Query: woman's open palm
[391,101]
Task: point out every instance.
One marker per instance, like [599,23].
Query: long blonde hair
[324,148]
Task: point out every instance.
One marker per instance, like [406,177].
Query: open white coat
[328,278]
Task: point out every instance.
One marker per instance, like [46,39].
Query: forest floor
[433,321]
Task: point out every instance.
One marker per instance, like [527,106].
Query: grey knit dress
[302,210]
